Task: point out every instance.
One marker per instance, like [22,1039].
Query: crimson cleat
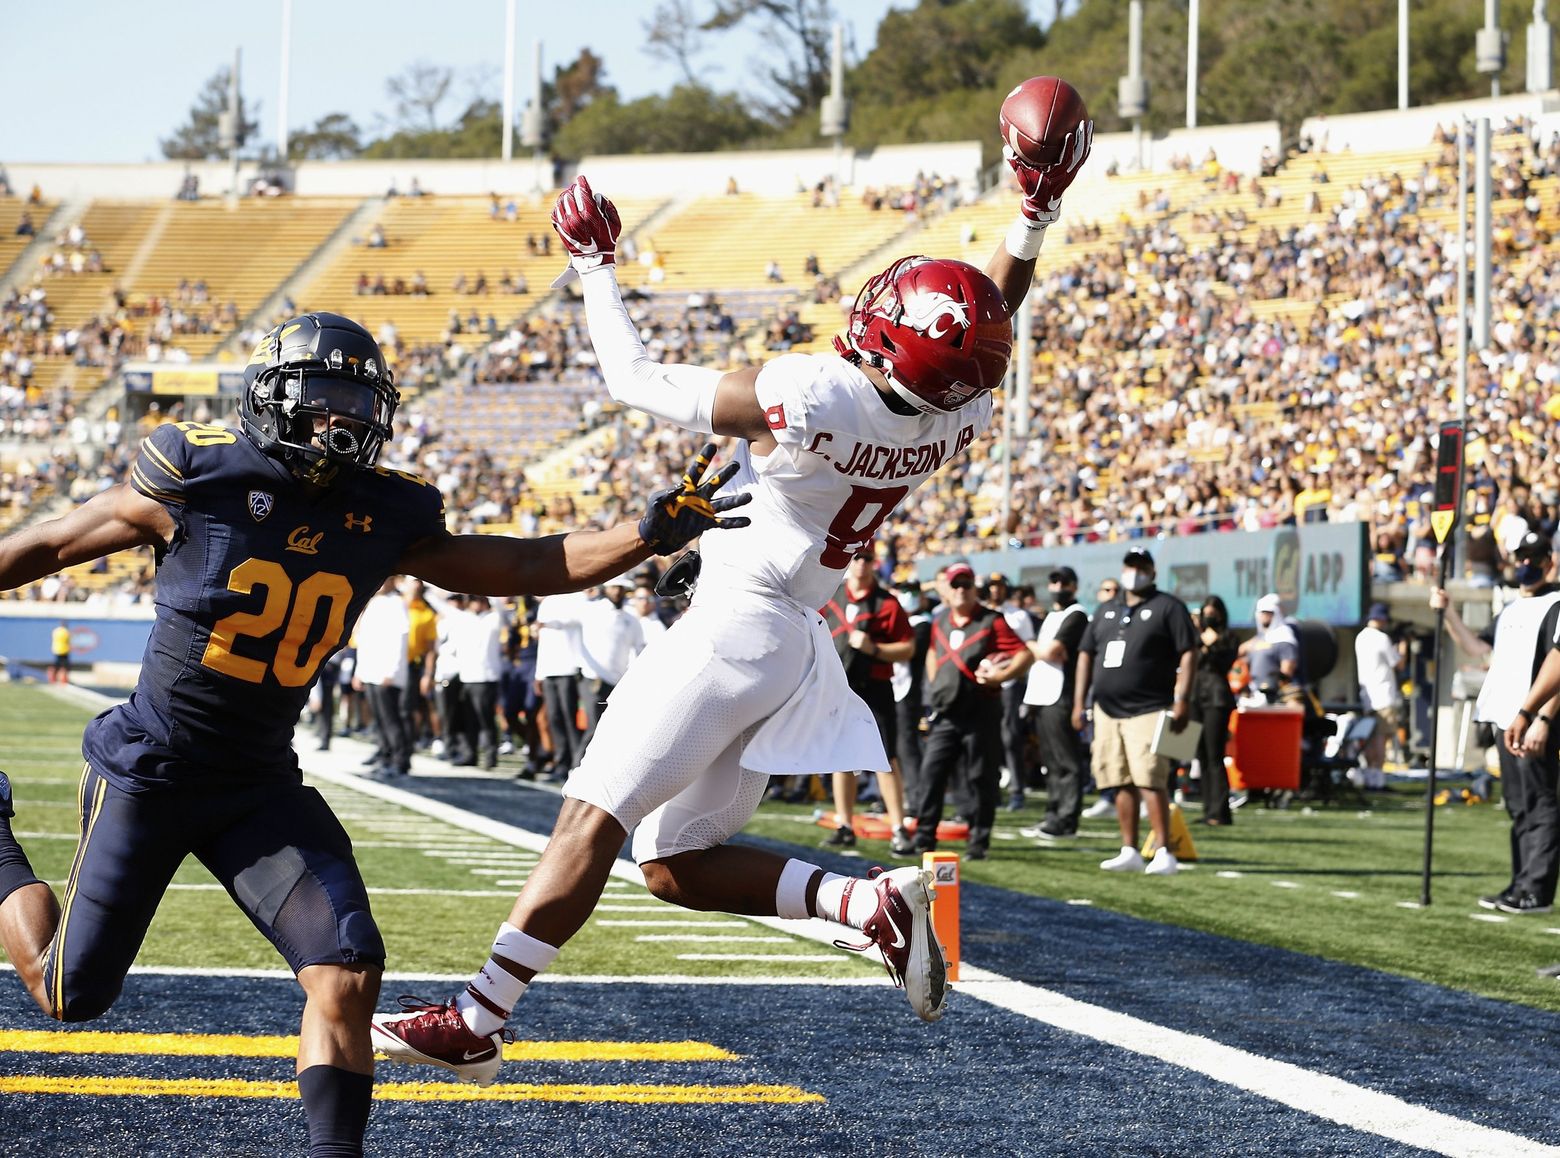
[437,1035]
[901,928]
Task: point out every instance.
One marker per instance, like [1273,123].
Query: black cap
[1535,547]
[997,577]
[1137,557]
[1066,576]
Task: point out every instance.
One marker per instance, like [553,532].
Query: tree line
[936,71]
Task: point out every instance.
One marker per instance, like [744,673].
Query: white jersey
[842,463]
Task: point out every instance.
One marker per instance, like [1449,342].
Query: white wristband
[1024,238]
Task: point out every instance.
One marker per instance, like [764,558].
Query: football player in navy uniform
[270,540]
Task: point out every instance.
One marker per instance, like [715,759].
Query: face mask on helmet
[318,397]
[938,330]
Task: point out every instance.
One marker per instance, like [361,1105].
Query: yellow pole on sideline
[944,867]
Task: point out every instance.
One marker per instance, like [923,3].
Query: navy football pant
[276,847]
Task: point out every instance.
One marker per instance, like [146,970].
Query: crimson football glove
[1043,187]
[588,225]
[682,513]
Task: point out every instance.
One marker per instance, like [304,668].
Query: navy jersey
[262,583]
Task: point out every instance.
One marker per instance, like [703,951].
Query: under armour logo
[365,524]
[304,543]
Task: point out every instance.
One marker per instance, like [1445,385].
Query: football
[1037,116]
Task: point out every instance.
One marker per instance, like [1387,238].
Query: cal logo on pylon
[1181,845]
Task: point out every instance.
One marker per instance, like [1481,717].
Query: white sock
[848,900]
[791,890]
[490,996]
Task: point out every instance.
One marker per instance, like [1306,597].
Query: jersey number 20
[296,609]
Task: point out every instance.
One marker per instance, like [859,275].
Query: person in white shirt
[747,684]
[558,673]
[643,603]
[479,636]
[382,633]
[610,637]
[1378,661]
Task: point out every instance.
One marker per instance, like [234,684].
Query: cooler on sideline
[1265,745]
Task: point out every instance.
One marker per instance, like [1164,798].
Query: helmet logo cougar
[927,309]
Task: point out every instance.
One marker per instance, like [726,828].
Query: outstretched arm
[1012,266]
[111,521]
[693,397]
[505,565]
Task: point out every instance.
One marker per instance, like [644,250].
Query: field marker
[416,1091]
[1284,884]
[1492,918]
[703,938]
[1229,874]
[665,924]
[798,958]
[1080,901]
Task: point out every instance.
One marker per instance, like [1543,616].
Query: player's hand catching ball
[588,225]
[682,513]
[1047,135]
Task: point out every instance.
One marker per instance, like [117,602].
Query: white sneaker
[1164,864]
[436,749]
[1099,809]
[1128,860]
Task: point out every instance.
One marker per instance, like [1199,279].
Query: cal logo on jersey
[261,503]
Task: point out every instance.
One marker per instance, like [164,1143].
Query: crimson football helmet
[938,330]
[318,396]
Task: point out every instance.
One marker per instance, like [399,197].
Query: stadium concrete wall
[1397,129]
[771,172]
[1238,147]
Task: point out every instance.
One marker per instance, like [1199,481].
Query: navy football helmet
[318,396]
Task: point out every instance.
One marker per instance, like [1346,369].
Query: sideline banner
[1320,570]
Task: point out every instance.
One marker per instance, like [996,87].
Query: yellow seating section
[444,237]
[11,210]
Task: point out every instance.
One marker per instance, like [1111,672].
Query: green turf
[197,925]
[1291,865]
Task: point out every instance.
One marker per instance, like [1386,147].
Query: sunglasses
[961,584]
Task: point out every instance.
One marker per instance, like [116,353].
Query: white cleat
[901,928]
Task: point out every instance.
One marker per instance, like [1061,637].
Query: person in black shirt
[1212,703]
[973,653]
[1138,656]
[1049,694]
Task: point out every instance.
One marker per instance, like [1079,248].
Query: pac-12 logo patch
[260,504]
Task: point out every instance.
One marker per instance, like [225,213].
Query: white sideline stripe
[1325,1097]
[645,904]
[1289,1085]
[373,892]
[1346,894]
[795,958]
[708,939]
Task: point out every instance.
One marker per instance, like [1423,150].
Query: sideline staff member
[1138,655]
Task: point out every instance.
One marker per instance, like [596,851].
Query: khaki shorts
[1123,753]
[1391,719]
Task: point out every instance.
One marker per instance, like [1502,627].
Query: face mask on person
[1529,574]
[1134,580]
[1214,620]
[1063,597]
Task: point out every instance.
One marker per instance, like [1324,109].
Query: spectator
[973,652]
[478,637]
[376,237]
[1273,653]
[1138,658]
[610,637]
[1049,695]
[998,595]
[1516,645]
[871,633]
[59,652]
[558,670]
[380,673]
[1378,662]
[1212,702]
[643,603]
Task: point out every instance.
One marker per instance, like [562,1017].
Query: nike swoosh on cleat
[469,1056]
[899,937]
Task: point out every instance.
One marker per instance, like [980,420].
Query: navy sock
[15,869]
[336,1102]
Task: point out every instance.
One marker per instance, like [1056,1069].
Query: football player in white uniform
[746,685]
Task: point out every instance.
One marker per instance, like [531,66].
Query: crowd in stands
[1195,372]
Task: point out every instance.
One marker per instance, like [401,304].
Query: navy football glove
[682,513]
